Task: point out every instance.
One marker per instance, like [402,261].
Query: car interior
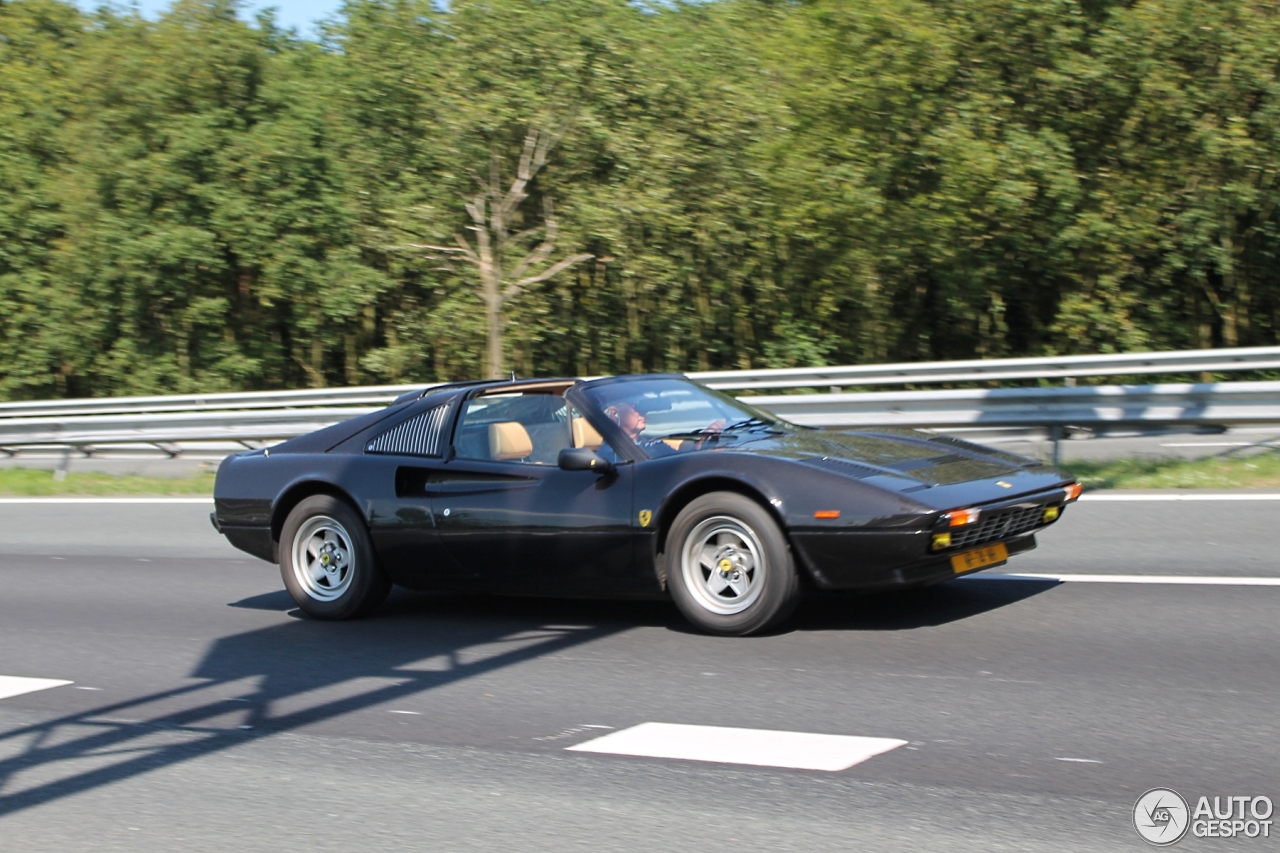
[529,426]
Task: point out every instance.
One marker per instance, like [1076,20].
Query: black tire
[749,560]
[327,560]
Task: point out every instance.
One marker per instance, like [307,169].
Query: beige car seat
[585,435]
[509,440]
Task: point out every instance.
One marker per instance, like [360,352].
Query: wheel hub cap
[322,561]
[723,565]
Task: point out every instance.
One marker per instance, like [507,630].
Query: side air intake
[418,436]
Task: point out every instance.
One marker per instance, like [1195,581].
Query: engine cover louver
[844,466]
[418,436]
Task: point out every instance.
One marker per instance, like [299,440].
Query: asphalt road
[204,714]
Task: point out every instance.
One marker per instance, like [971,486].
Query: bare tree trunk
[351,358]
[1230,333]
[492,211]
[1236,321]
[493,354]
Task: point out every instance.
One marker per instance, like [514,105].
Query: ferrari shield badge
[645,517]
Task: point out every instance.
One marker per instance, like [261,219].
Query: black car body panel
[860,508]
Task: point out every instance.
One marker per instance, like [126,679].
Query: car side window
[529,428]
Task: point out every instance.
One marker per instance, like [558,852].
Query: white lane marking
[411,713]
[16,685]
[1080,760]
[208,500]
[763,748]
[1212,444]
[1190,580]
[1182,496]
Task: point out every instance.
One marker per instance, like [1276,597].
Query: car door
[507,512]
[400,462]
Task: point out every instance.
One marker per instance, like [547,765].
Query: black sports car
[633,486]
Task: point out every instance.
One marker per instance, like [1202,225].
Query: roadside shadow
[298,672]
[292,674]
[279,600]
[905,610]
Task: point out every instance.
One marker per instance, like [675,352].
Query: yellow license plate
[979,557]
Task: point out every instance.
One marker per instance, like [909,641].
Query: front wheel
[729,567]
[327,560]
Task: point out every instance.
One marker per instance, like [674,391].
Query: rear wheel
[729,567]
[327,560]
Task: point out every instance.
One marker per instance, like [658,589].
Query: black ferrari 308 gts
[633,486]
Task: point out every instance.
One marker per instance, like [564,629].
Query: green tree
[200,202]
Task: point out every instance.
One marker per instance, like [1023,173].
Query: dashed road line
[16,685]
[723,745]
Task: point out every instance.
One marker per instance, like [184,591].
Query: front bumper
[853,558]
[827,556]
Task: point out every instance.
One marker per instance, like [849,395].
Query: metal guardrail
[88,433]
[171,423]
[986,370]
[372,395]
[929,372]
[1097,407]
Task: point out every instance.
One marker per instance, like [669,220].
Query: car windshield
[678,414]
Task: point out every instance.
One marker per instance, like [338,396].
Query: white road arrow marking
[16,685]
[760,747]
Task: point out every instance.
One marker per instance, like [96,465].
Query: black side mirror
[584,459]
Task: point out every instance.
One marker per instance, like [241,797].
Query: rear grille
[994,525]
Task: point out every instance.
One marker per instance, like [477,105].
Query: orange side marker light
[827,513]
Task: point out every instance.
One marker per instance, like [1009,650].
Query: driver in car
[632,422]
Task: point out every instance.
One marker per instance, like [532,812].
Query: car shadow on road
[291,674]
[920,608]
[467,607]
[835,611]
[298,672]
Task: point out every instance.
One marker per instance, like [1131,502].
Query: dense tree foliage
[201,203]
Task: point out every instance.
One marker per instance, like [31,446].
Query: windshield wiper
[762,424]
[753,423]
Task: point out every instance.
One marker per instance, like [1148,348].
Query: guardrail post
[64,467]
[1056,434]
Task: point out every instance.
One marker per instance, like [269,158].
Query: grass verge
[36,483]
[1256,471]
